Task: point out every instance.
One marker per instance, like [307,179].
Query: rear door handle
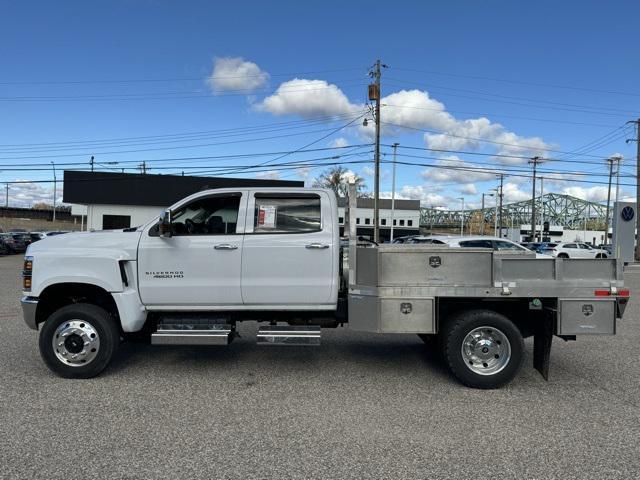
[317,246]
[226,246]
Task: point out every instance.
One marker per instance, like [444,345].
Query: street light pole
[393,189]
[54,191]
[462,217]
[482,221]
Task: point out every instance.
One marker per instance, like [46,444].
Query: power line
[521,82]
[532,102]
[486,114]
[163,95]
[175,79]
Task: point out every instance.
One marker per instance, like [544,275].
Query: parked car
[4,249]
[494,243]
[577,250]
[15,244]
[546,247]
[404,239]
[35,236]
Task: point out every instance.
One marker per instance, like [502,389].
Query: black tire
[563,255]
[456,330]
[601,255]
[105,328]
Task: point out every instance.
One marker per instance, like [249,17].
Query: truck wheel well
[515,310]
[57,296]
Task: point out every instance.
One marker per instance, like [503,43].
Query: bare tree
[336,178]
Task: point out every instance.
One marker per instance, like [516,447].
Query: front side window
[215,215]
[299,214]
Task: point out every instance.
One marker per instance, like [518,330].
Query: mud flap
[542,340]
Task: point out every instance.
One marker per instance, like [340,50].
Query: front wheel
[482,348]
[78,341]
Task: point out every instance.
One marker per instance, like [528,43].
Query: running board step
[184,334]
[288,335]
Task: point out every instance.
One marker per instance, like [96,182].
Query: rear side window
[285,214]
[477,244]
[570,245]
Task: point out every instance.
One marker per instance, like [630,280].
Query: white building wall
[410,218]
[139,215]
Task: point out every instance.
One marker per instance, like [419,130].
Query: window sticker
[267,216]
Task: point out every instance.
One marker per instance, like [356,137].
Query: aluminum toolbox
[391,315]
[586,316]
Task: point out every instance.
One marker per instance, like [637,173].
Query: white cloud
[307,98]
[455,170]
[592,194]
[27,194]
[270,175]
[468,189]
[425,194]
[368,171]
[513,193]
[236,73]
[339,142]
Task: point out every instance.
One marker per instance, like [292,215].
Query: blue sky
[501,80]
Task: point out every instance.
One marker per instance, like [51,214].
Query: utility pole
[618,162]
[541,207]
[374,94]
[462,217]
[534,161]
[610,161]
[143,167]
[495,214]
[55,193]
[91,162]
[500,195]
[393,189]
[482,210]
[637,140]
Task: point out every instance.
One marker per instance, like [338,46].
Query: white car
[576,250]
[494,243]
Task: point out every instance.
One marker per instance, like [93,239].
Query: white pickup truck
[274,255]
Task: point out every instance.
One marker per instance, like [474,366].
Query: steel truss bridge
[570,212]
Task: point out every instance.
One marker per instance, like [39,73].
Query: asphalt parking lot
[359,406]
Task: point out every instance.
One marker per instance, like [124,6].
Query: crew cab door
[290,252]
[200,264]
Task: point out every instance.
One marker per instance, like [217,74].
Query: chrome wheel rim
[76,343]
[486,350]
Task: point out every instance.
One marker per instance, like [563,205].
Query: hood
[113,243]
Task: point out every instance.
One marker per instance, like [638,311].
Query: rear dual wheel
[482,348]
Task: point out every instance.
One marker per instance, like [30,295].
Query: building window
[402,223]
[394,222]
[357,221]
[340,219]
[367,221]
[409,223]
[112,222]
[383,221]
[275,214]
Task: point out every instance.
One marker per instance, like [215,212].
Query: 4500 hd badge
[167,274]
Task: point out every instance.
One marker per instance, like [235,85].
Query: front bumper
[29,306]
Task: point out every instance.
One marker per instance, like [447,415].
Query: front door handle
[226,246]
[317,246]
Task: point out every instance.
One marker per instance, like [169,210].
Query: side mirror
[164,226]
